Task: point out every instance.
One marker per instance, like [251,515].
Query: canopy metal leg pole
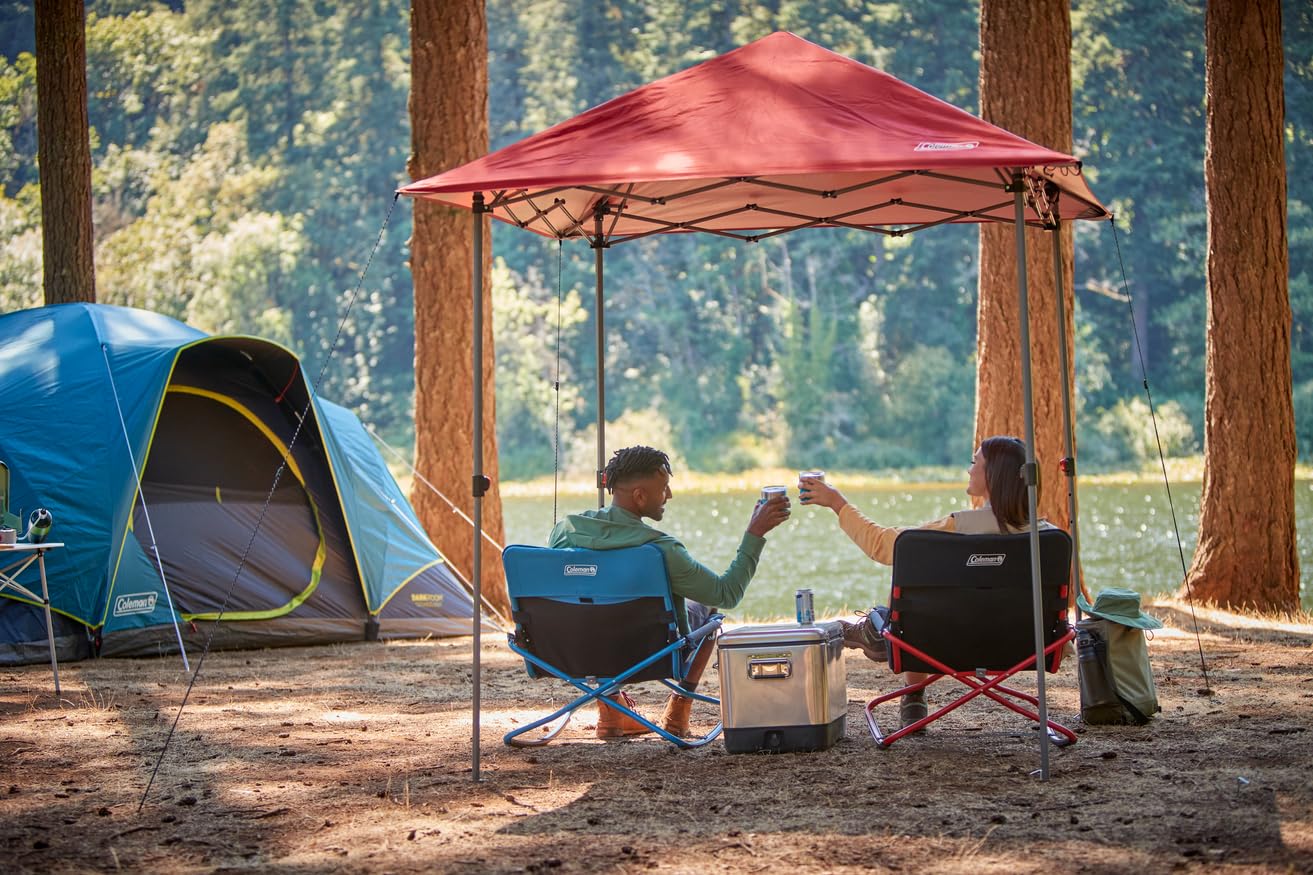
[1032,480]
[1068,422]
[599,244]
[479,481]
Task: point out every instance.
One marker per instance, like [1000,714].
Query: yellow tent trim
[321,552]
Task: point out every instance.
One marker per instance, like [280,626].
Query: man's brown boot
[617,724]
[675,718]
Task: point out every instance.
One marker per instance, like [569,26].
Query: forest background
[246,151]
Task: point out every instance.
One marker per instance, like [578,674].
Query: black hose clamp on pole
[481,485]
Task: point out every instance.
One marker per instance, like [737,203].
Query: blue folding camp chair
[961,607]
[598,619]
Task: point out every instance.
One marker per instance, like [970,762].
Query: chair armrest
[711,625]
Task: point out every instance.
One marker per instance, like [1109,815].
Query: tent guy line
[1207,689]
[278,474]
[493,609]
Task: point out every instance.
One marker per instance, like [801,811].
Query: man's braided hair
[634,462]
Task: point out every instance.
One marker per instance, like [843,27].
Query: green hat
[1120,606]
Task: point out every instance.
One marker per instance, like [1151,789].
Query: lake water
[1126,539]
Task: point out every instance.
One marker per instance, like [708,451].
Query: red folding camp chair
[961,607]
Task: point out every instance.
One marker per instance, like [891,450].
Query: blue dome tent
[89,392]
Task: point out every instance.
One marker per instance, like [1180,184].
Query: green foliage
[1303,400]
[530,322]
[1126,436]
[246,151]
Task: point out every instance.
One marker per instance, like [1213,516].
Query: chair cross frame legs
[594,689]
[981,683]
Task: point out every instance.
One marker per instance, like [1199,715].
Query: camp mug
[38,525]
[8,536]
[769,492]
[803,493]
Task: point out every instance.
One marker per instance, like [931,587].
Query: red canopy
[777,135]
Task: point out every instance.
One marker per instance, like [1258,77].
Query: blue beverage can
[803,603]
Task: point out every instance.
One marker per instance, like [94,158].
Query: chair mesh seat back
[966,599]
[592,613]
[586,640]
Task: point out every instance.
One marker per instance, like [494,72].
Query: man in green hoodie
[638,479]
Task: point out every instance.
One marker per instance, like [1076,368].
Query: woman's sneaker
[862,636]
[913,708]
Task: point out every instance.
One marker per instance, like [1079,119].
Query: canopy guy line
[454,509]
[1162,461]
[278,474]
[556,389]
[154,546]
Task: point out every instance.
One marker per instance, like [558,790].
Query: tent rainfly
[775,136]
[96,396]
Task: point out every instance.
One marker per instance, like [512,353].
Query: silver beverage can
[769,492]
[803,603]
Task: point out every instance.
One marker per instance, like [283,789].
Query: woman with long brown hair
[995,476]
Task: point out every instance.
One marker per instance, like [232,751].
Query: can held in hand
[769,492]
[805,607]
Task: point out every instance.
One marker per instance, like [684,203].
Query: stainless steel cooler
[783,687]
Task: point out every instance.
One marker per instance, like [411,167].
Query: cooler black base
[785,739]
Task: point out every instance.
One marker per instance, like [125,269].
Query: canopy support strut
[479,482]
[1032,480]
[599,246]
[1068,430]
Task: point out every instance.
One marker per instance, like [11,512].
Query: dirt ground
[358,758]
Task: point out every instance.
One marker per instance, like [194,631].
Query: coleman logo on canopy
[946,147]
[581,571]
[134,603]
[979,559]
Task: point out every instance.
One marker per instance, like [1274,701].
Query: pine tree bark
[1025,87]
[1246,555]
[449,126]
[64,152]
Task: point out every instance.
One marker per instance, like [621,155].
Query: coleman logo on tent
[946,147]
[134,603]
[977,559]
[581,571]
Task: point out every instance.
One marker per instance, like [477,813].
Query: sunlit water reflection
[1126,532]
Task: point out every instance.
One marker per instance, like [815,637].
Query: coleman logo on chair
[581,571]
[134,603]
[978,559]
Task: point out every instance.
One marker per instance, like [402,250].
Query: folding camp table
[25,555]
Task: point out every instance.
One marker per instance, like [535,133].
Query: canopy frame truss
[547,212]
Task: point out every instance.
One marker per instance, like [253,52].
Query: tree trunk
[1246,555]
[1025,87]
[64,152]
[449,123]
